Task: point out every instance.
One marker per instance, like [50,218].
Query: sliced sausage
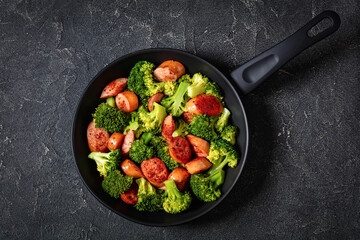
[128,140]
[156,98]
[113,88]
[198,165]
[201,147]
[154,170]
[127,101]
[168,127]
[181,177]
[130,196]
[169,71]
[97,138]
[180,150]
[158,185]
[115,141]
[131,169]
[204,104]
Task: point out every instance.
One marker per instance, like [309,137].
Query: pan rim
[149,50]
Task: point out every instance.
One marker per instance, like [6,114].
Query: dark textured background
[302,177]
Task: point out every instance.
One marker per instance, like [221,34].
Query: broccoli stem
[217,167]
[146,137]
[171,188]
[110,101]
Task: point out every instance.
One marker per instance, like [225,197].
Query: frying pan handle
[251,74]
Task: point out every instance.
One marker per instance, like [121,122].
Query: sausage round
[97,138]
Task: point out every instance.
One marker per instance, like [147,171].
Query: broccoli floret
[152,121]
[149,199]
[182,129]
[176,103]
[206,186]
[203,126]
[213,88]
[198,85]
[162,152]
[229,134]
[134,124]
[185,78]
[146,137]
[174,200]
[221,151]
[140,152]
[106,162]
[116,184]
[169,88]
[110,101]
[110,118]
[223,120]
[141,80]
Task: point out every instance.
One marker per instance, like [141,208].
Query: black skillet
[247,77]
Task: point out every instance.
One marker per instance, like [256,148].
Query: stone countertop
[301,179]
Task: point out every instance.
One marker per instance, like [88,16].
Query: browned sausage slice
[114,87]
[168,127]
[198,165]
[154,170]
[130,196]
[181,177]
[97,138]
[156,98]
[180,150]
[201,147]
[204,104]
[131,169]
[127,101]
[169,71]
[128,140]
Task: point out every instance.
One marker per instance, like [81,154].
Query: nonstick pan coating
[90,100]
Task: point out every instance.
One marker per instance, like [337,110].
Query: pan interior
[90,99]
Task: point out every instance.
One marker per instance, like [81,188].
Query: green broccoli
[110,101]
[182,129]
[116,184]
[176,103]
[212,88]
[198,85]
[140,152]
[106,162]
[229,134]
[223,120]
[203,126]
[205,186]
[149,198]
[135,124]
[162,152]
[110,118]
[174,200]
[185,78]
[222,151]
[146,137]
[141,80]
[169,88]
[152,121]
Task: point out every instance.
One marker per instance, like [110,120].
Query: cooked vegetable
[229,134]
[185,78]
[213,89]
[174,200]
[127,101]
[154,170]
[156,98]
[130,195]
[180,150]
[169,71]
[110,118]
[139,151]
[198,165]
[223,120]
[182,129]
[115,141]
[149,199]
[200,146]
[204,104]
[131,169]
[141,80]
[222,151]
[181,177]
[97,138]
[176,104]
[203,126]
[162,152]
[146,137]
[106,162]
[116,184]
[135,124]
[168,127]
[128,140]
[111,101]
[198,85]
[114,87]
[152,121]
[188,117]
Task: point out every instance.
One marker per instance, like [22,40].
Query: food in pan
[162,137]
